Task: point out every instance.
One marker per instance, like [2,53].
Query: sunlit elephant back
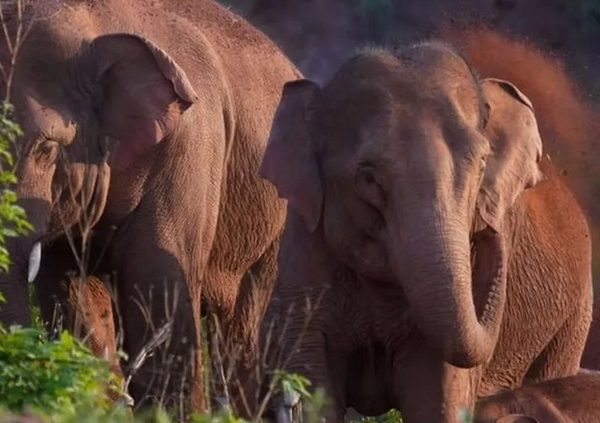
[146,121]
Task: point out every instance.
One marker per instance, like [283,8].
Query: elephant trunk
[438,281]
[25,256]
[14,285]
[16,293]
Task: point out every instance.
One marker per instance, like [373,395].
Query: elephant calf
[92,319]
[572,399]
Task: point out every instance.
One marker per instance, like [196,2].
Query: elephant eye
[479,161]
[368,186]
[366,174]
[483,160]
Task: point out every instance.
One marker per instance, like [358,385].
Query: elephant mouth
[483,261]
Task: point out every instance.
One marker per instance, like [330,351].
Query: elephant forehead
[353,114]
[49,66]
[368,108]
[352,129]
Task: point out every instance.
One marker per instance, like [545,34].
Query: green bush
[59,377]
[392,416]
[13,221]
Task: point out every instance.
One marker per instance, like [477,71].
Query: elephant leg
[427,389]
[219,293]
[562,355]
[338,371]
[161,316]
[219,395]
[198,399]
[242,346]
[310,359]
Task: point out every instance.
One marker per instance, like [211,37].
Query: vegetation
[57,379]
[61,381]
[13,221]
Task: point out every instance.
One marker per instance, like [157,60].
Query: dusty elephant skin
[442,256]
[92,315]
[147,120]
[572,399]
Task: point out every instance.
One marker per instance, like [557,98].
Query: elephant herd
[397,235]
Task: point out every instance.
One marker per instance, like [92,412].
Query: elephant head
[91,105]
[403,160]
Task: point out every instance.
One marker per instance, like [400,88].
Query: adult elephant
[431,240]
[147,121]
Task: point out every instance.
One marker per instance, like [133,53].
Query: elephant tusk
[291,398]
[35,259]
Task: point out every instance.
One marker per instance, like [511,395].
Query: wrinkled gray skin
[147,121]
[438,263]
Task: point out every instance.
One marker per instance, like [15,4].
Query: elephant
[145,124]
[572,399]
[92,319]
[426,229]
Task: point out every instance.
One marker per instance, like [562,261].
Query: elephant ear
[290,161]
[517,418]
[143,94]
[513,166]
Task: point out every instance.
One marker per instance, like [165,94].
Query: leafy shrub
[392,416]
[52,377]
[13,221]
